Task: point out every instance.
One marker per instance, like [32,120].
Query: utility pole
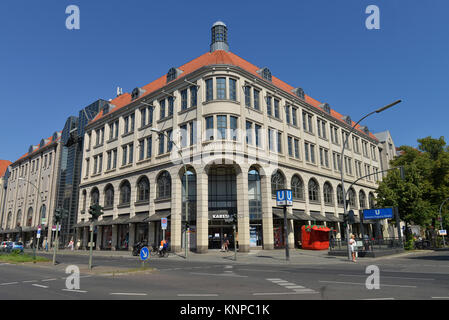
[95,211]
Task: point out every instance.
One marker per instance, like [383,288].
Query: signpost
[164,226]
[144,255]
[386,213]
[284,198]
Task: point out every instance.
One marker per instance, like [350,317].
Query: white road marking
[45,280]
[440,297]
[295,287]
[390,277]
[40,286]
[282,293]
[380,299]
[69,290]
[382,285]
[128,294]
[5,284]
[197,295]
[286,284]
[219,274]
[28,281]
[275,279]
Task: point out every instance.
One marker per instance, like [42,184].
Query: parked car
[17,246]
[5,246]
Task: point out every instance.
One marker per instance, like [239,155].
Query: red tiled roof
[3,166]
[216,58]
[39,148]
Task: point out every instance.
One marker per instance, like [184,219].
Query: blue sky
[48,73]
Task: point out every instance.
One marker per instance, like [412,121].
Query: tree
[425,186]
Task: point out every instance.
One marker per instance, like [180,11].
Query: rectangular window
[209,90]
[324,157]
[124,155]
[373,153]
[321,128]
[355,143]
[337,164]
[365,148]
[143,117]
[233,126]
[256,99]
[161,143]
[269,108]
[114,158]
[169,140]
[150,115]
[193,96]
[270,139]
[287,114]
[221,127]
[290,146]
[171,105]
[162,105]
[87,167]
[257,130]
[306,151]
[193,133]
[221,88]
[279,142]
[100,163]
[312,153]
[141,149]
[296,148]
[183,129]
[247,96]
[276,108]
[295,116]
[131,153]
[249,132]
[307,122]
[95,164]
[334,134]
[233,89]
[184,99]
[345,137]
[109,163]
[210,128]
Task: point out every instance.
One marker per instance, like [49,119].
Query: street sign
[284,198]
[164,223]
[443,232]
[385,213]
[38,233]
[144,253]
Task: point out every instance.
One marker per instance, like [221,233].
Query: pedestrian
[352,244]
[226,243]
[71,244]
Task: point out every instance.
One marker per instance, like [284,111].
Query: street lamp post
[42,200]
[341,164]
[187,188]
[441,221]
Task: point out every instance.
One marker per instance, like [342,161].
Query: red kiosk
[315,237]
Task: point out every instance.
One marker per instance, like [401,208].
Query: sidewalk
[297,256]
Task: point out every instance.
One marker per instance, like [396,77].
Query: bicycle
[154,251]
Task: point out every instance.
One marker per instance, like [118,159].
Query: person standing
[352,244]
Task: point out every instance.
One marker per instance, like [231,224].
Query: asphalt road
[423,277]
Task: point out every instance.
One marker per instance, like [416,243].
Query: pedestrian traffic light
[351,219]
[95,211]
[60,214]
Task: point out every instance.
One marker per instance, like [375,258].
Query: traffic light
[95,211]
[351,219]
[60,214]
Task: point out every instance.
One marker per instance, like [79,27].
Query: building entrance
[218,234]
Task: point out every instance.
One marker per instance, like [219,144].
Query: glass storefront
[107,238]
[141,233]
[122,236]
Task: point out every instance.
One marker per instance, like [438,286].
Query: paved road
[414,276]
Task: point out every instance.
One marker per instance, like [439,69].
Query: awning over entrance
[301,215]
[123,219]
[318,216]
[158,216]
[333,218]
[138,218]
[278,212]
[106,221]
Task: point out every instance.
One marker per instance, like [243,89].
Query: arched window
[297,188]
[352,197]
[125,193]
[277,182]
[328,193]
[340,195]
[362,199]
[314,191]
[164,185]
[372,201]
[94,196]
[43,212]
[143,189]
[254,195]
[19,218]
[29,217]
[109,196]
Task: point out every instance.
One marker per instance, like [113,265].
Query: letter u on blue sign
[281,195]
[289,195]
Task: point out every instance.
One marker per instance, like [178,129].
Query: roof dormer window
[137,93]
[299,92]
[348,120]
[265,73]
[326,108]
[172,74]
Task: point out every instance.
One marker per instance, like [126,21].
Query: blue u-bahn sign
[284,198]
[385,213]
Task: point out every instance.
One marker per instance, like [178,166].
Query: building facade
[235,134]
[72,138]
[31,192]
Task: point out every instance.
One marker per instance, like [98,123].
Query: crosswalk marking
[290,285]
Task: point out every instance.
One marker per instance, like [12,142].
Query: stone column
[132,235]
[99,237]
[291,234]
[243,210]
[85,237]
[267,213]
[176,207]
[114,237]
[202,211]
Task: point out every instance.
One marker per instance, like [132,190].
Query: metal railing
[367,245]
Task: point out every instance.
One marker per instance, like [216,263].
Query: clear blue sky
[48,73]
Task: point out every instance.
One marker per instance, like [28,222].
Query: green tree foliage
[426,183]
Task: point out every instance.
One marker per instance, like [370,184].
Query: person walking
[71,244]
[352,244]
